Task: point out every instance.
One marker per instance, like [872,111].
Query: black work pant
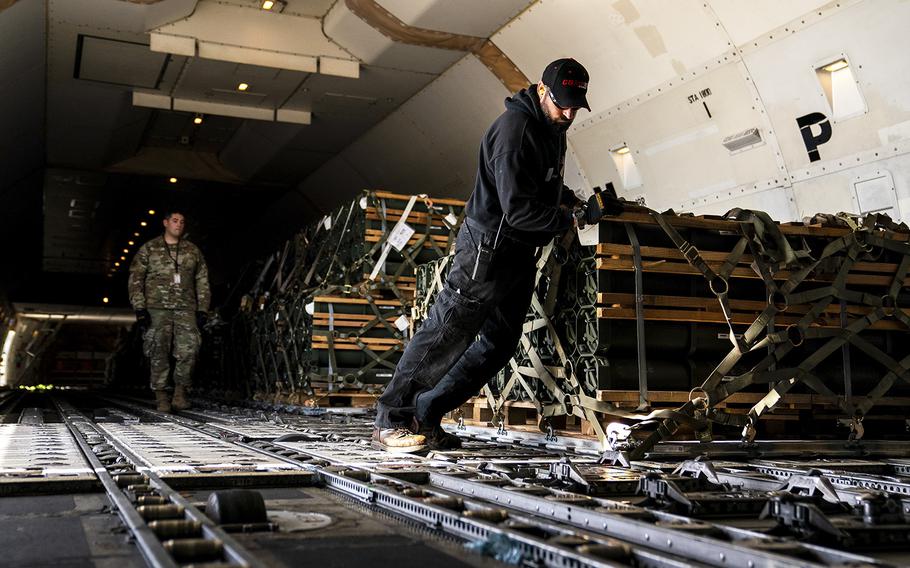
[470,333]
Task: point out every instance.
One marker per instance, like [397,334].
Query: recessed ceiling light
[173,180]
[143,224]
[836,66]
[273,5]
[105,299]
[122,258]
[242,87]
[197,119]
[151,211]
[131,243]
[622,150]
[116,264]
[135,234]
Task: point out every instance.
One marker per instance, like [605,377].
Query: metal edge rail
[708,550]
[153,550]
[374,493]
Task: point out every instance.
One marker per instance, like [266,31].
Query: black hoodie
[520,173]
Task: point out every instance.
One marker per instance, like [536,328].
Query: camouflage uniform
[172,305]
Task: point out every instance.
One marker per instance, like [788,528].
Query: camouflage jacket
[152,283]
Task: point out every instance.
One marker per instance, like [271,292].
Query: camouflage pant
[173,332]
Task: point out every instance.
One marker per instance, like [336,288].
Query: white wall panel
[834,192]
[627,46]
[676,146]
[776,202]
[478,18]
[783,72]
[373,48]
[745,21]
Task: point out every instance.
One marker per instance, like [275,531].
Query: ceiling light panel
[217,82]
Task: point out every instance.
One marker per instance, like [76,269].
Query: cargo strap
[639,318]
[717,281]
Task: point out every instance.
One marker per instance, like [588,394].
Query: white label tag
[588,237]
[400,235]
[327,222]
[310,308]
[363,202]
[176,278]
[451,219]
[402,323]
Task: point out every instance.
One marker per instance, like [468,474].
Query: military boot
[180,402]
[163,400]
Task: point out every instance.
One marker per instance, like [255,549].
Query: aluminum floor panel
[174,449]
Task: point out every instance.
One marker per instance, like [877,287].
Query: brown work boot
[438,439]
[180,402]
[398,440]
[163,400]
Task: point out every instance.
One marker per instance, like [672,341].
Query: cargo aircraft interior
[452,283]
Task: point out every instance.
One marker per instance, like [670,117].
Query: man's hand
[202,318]
[597,206]
[143,319]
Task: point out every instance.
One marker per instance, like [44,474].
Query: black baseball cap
[567,79]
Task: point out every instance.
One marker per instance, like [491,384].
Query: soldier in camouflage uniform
[169,289]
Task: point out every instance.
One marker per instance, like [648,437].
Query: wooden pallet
[789,401]
[322,398]
[441,241]
[522,416]
[707,310]
[320,341]
[405,198]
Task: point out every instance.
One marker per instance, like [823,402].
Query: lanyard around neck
[175,257]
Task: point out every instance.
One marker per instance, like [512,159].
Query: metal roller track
[153,550]
[345,464]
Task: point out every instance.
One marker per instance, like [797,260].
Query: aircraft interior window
[840,88]
[625,165]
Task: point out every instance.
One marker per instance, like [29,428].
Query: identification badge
[176,278]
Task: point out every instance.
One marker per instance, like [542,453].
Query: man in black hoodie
[519,203]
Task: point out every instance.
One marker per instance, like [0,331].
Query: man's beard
[559,126]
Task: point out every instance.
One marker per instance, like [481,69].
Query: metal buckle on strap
[690,252]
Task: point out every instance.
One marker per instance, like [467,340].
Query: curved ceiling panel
[422,148]
[628,47]
[479,18]
[744,21]
[308,8]
[255,29]
[374,48]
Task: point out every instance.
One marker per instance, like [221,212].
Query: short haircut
[172,211]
